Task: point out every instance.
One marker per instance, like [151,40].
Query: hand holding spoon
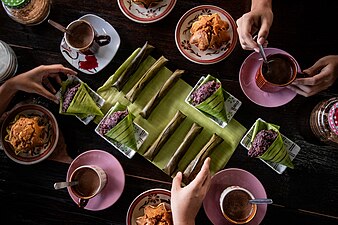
[59,185]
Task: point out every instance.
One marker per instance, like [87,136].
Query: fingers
[48,85]
[58,68]
[177,181]
[204,174]
[42,91]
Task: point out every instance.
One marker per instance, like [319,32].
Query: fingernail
[256,50]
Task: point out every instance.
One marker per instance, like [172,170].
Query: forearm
[7,92]
[261,3]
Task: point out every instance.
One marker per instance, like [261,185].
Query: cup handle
[102,40]
[82,202]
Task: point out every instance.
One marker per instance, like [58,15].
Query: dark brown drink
[279,69]
[82,35]
[89,182]
[236,206]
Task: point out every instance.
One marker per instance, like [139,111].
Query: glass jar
[8,62]
[324,121]
[27,12]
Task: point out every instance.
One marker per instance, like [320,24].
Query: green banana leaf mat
[174,100]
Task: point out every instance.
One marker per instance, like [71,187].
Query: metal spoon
[261,201]
[59,27]
[59,185]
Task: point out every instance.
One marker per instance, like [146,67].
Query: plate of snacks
[146,11]
[117,128]
[212,100]
[152,205]
[264,141]
[29,134]
[193,39]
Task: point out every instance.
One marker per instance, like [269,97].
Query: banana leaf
[123,132]
[276,152]
[214,104]
[82,105]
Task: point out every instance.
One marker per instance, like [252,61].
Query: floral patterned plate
[191,52]
[91,64]
[140,14]
[151,197]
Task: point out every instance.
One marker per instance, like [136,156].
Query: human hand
[321,76]
[186,201]
[259,19]
[36,80]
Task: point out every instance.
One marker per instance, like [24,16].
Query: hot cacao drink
[82,35]
[279,69]
[89,182]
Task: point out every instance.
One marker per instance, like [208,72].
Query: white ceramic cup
[91,180]
[235,206]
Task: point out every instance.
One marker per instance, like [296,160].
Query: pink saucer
[247,81]
[224,179]
[115,183]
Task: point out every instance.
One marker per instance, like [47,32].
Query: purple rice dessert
[205,91]
[68,96]
[262,142]
[110,121]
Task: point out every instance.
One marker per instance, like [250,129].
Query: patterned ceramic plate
[140,14]
[39,153]
[191,52]
[151,197]
[91,64]
[290,146]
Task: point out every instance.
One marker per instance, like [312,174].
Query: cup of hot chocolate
[91,180]
[83,37]
[280,71]
[235,205]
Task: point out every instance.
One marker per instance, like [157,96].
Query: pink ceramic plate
[224,179]
[140,14]
[191,52]
[247,75]
[115,183]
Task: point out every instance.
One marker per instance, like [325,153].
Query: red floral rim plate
[191,52]
[40,153]
[140,14]
[150,197]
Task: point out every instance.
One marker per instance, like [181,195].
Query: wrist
[9,87]
[261,4]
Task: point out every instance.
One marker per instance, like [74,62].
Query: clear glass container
[324,121]
[8,62]
[27,12]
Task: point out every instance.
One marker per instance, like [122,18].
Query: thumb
[177,181]
[313,70]
[48,95]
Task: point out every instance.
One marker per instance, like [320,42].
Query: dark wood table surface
[307,194]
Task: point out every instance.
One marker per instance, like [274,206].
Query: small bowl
[40,153]
[151,197]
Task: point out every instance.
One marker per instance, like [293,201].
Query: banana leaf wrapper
[133,65]
[82,104]
[196,164]
[182,149]
[123,132]
[214,104]
[165,135]
[145,79]
[161,93]
[276,152]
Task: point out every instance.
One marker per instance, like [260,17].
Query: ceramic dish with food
[29,134]
[148,205]
[206,34]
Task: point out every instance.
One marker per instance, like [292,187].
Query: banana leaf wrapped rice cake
[118,125]
[267,144]
[76,100]
[209,98]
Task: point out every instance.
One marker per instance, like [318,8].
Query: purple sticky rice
[262,142]
[110,121]
[68,96]
[205,91]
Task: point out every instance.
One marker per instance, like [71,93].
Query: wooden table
[307,194]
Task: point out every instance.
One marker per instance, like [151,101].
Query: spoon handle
[262,52]
[58,26]
[59,185]
[261,201]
